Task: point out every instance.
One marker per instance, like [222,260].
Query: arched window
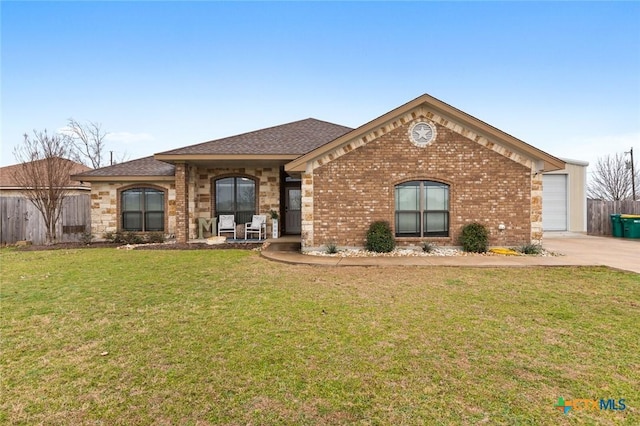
[142,209]
[422,209]
[236,195]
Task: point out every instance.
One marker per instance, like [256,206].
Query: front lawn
[105,336]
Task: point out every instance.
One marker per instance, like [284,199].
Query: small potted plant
[274,220]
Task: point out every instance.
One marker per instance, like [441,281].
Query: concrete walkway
[573,250]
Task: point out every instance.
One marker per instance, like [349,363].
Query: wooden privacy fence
[599,214]
[20,220]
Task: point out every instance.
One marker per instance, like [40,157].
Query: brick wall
[486,185]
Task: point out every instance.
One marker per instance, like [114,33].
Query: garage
[554,202]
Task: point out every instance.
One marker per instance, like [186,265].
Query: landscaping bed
[150,246]
[417,252]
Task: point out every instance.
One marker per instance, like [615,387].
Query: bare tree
[44,175]
[88,140]
[611,180]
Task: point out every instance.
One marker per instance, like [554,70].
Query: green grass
[103,336]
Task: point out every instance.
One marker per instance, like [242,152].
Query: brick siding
[487,185]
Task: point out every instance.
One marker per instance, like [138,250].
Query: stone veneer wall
[354,185]
[182,202]
[536,207]
[306,230]
[105,211]
[201,203]
[198,203]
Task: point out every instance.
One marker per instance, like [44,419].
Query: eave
[175,159]
[124,178]
[228,160]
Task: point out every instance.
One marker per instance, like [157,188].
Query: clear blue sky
[564,77]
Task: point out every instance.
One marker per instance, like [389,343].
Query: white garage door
[554,202]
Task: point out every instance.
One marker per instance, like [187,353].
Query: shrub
[474,238]
[428,247]
[155,237]
[115,237]
[119,238]
[380,238]
[132,238]
[530,249]
[332,248]
[86,237]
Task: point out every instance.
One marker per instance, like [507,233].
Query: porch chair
[258,225]
[226,223]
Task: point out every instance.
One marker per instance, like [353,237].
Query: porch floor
[284,243]
[289,243]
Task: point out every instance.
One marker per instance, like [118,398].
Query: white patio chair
[226,223]
[258,225]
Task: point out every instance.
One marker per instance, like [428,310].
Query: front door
[293,210]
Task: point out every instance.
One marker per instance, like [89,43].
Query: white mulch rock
[407,252]
[399,252]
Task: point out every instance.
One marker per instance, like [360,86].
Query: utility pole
[633,175]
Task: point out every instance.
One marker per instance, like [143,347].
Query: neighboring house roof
[7,173]
[146,168]
[548,161]
[286,142]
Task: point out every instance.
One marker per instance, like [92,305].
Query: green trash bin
[630,225]
[616,225]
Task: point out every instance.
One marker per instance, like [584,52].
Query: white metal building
[564,198]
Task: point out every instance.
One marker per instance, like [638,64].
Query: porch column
[307,210]
[182,205]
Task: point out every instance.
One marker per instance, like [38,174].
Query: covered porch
[207,190]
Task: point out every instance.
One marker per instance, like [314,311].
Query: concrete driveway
[573,250]
[620,253]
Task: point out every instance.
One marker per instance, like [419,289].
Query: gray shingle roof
[295,138]
[146,166]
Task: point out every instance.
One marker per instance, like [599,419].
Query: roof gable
[429,107]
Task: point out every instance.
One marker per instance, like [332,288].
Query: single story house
[425,167]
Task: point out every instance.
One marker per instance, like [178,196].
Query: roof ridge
[293,138]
